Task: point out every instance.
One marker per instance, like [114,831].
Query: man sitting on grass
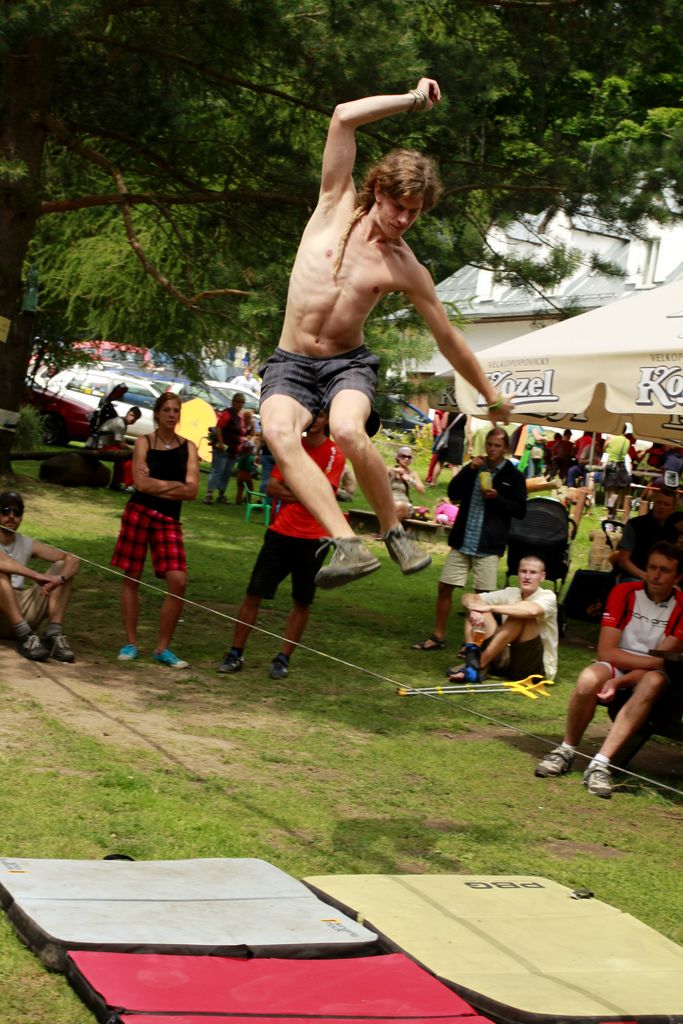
[22,609]
[511,632]
[641,616]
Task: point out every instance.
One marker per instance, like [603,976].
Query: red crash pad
[226,1018]
[144,988]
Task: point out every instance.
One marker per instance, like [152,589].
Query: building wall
[494,312]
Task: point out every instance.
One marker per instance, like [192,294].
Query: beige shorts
[32,604]
[457,567]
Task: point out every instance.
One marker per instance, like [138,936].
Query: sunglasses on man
[11,510]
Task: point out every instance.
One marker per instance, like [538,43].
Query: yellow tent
[195,419]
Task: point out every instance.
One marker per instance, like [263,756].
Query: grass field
[328,771]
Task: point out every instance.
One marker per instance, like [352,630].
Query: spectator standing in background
[230,431]
[490,493]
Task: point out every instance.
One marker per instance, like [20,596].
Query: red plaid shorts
[143,528]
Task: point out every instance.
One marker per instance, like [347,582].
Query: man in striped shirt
[640,617]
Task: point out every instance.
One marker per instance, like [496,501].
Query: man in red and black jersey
[640,616]
[291,547]
[229,435]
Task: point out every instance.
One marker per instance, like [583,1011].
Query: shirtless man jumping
[351,254]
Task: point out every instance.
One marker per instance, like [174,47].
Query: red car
[64,419]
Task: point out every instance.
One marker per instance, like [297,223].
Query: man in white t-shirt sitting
[640,617]
[511,632]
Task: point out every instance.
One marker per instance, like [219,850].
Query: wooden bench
[367,522]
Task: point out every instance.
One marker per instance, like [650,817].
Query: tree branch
[203,69]
[59,129]
[171,199]
[149,155]
[527,4]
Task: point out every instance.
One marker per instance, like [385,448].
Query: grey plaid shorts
[315,382]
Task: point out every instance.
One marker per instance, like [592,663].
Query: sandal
[460,653]
[432,643]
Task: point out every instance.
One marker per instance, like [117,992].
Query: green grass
[329,771]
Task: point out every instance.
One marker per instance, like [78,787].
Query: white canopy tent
[620,363]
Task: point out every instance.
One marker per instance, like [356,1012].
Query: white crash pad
[216,906]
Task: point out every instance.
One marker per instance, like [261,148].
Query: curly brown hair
[402,172]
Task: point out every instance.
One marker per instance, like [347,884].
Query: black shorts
[315,382]
[283,556]
[520,660]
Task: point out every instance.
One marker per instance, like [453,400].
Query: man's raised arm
[340,148]
[453,345]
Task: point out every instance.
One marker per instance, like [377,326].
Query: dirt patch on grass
[569,848]
[446,825]
[113,706]
[659,757]
[190,720]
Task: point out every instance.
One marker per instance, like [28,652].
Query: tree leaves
[210,120]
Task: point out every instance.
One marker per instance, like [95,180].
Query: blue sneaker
[171,660]
[280,667]
[231,663]
[128,653]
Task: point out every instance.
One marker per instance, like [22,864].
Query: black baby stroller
[547,532]
[106,410]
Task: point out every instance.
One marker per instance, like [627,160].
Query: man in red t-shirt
[291,548]
[640,616]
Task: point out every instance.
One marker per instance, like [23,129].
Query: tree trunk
[26,77]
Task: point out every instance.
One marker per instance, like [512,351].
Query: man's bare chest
[354,267]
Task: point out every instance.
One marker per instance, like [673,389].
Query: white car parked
[228,389]
[88,385]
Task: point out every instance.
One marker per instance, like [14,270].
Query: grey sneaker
[30,647]
[557,762]
[58,647]
[231,664]
[598,781]
[351,561]
[408,554]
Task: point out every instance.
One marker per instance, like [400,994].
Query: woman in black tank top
[165,473]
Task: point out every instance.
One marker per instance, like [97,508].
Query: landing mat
[228,1018]
[520,948]
[380,989]
[226,907]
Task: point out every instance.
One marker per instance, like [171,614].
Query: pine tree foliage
[159,158]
